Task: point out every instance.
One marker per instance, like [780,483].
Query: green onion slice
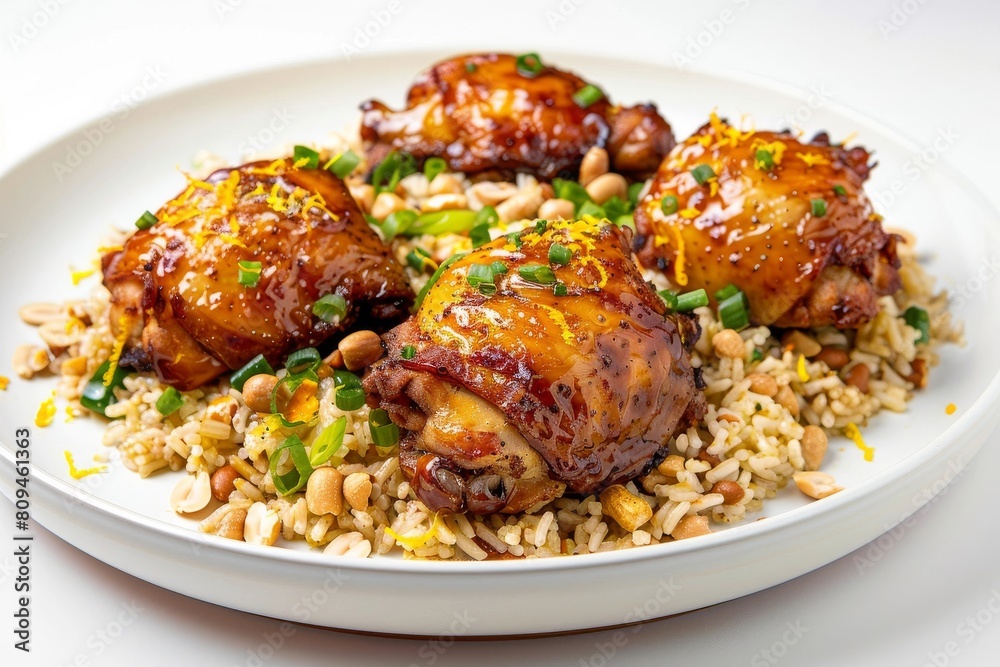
[633,192]
[669,205]
[451,221]
[384,432]
[146,220]
[302,360]
[480,235]
[917,317]
[733,312]
[420,260]
[408,352]
[346,380]
[434,166]
[480,276]
[305,157]
[587,96]
[293,480]
[570,190]
[529,65]
[703,173]
[487,215]
[396,166]
[726,292]
[559,254]
[688,301]
[397,223]
[328,442]
[330,307]
[818,208]
[97,396]
[249,272]
[343,164]
[349,399]
[169,401]
[256,366]
[627,220]
[470,67]
[840,191]
[560,289]
[616,207]
[764,159]
[434,278]
[499,268]
[590,208]
[537,273]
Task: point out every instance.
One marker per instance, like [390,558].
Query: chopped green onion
[515,238]
[541,226]
[169,401]
[146,220]
[396,166]
[690,300]
[627,220]
[328,442]
[434,278]
[756,355]
[249,274]
[97,396]
[633,192]
[764,159]
[451,221]
[615,207]
[587,96]
[303,156]
[408,352]
[293,480]
[560,289]
[571,191]
[481,277]
[669,205]
[420,260]
[346,380]
[301,360]
[384,432]
[669,297]
[343,164]
[733,312]
[434,166]
[529,65]
[818,208]
[703,173]
[917,317]
[590,208]
[349,398]
[839,190]
[726,292]
[480,235]
[470,67]
[487,216]
[256,366]
[559,254]
[330,307]
[499,268]
[397,223]
[536,273]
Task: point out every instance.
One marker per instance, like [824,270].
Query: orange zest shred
[689,213]
[46,412]
[680,270]
[416,541]
[812,159]
[775,148]
[78,276]
[4,382]
[78,473]
[854,433]
[116,352]
[950,409]
[801,368]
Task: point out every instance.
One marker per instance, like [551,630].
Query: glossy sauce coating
[177,300]
[596,381]
[479,113]
[785,221]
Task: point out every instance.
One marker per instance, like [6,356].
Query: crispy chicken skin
[478,113]
[510,397]
[759,224]
[177,303]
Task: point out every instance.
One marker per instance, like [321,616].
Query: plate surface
[60,201]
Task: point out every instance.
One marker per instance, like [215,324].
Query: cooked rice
[748,438]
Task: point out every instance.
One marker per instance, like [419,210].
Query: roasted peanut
[257,392]
[835,357]
[386,203]
[324,491]
[262,525]
[444,184]
[730,491]
[556,209]
[692,525]
[74,366]
[491,193]
[671,465]
[360,349]
[357,489]
[816,484]
[606,186]
[918,373]
[814,444]
[37,314]
[762,383]
[801,343]
[191,494]
[858,376]
[786,398]
[334,360]
[630,511]
[728,343]
[29,360]
[223,482]
[364,195]
[522,205]
[445,202]
[60,335]
[231,525]
[595,163]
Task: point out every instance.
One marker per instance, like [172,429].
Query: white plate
[59,202]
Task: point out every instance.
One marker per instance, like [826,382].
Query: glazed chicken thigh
[232,268]
[494,111]
[536,362]
[785,221]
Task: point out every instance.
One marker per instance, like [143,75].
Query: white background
[920,67]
